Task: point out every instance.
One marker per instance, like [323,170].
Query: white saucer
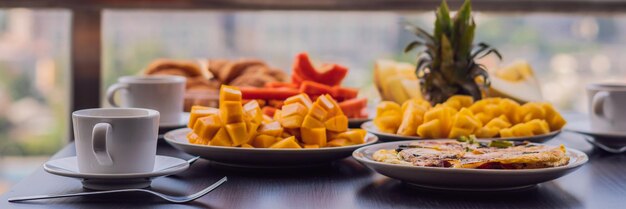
[614,142]
[163,166]
[583,127]
[184,119]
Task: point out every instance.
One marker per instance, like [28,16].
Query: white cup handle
[597,104]
[111,93]
[101,132]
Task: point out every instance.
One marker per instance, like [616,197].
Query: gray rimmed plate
[466,179]
[387,137]
[262,157]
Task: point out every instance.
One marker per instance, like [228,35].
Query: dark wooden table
[601,183]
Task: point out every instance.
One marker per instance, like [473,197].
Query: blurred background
[566,51]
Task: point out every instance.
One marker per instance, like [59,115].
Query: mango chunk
[206,127]
[287,143]
[300,98]
[311,146]
[272,129]
[221,138]
[253,111]
[338,143]
[229,93]
[231,112]
[238,133]
[356,136]
[199,107]
[294,121]
[192,137]
[318,112]
[338,123]
[314,136]
[200,112]
[263,141]
[294,109]
[251,129]
[311,122]
[246,146]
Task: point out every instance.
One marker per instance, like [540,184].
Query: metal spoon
[169,198]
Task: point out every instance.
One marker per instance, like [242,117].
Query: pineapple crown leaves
[445,63]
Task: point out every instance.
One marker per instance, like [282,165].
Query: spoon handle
[40,197]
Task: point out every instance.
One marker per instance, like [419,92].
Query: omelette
[475,154]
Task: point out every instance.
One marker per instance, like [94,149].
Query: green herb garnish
[500,144]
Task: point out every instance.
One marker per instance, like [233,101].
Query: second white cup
[163,93]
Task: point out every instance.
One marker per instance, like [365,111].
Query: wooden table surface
[601,183]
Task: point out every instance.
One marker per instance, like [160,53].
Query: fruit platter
[300,133]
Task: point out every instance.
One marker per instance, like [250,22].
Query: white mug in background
[163,93]
[115,140]
[607,107]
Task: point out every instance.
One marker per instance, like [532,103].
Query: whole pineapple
[445,65]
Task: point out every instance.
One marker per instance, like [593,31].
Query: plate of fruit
[301,132]
[459,116]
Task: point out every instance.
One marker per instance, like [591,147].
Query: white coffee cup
[115,140]
[607,107]
[163,93]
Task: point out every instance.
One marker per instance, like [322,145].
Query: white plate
[184,119]
[387,137]
[466,179]
[163,166]
[262,157]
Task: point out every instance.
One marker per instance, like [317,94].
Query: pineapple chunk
[530,111]
[464,124]
[554,119]
[538,127]
[437,122]
[287,143]
[459,101]
[412,117]
[206,127]
[314,136]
